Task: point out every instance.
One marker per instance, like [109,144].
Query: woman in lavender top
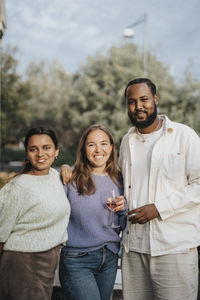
[88,263]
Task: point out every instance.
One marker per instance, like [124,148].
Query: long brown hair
[81,176]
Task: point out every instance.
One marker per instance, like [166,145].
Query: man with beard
[160,163]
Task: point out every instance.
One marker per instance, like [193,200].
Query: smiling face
[41,153]
[141,105]
[98,150]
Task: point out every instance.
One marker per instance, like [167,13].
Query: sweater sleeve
[9,208]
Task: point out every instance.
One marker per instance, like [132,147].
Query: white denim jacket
[174,188]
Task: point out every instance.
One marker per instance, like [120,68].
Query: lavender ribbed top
[88,228]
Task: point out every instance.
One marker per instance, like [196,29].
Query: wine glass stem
[113,217]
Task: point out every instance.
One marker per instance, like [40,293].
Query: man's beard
[143,124]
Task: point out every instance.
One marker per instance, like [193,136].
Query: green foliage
[12,155]
[94,94]
[66,156]
[188,103]
[98,90]
[14,95]
[50,87]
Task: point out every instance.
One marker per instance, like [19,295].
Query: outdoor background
[66,64]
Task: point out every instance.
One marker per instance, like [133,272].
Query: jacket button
[129,186]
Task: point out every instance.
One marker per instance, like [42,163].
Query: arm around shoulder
[66,173]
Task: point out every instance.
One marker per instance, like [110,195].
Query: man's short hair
[148,82]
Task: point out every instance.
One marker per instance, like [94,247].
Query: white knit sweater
[34,213]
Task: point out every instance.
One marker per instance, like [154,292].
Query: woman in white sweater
[34,214]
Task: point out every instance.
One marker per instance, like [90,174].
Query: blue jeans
[88,275]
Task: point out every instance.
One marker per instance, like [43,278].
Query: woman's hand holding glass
[120,203]
[115,204]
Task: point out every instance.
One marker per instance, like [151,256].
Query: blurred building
[2,19]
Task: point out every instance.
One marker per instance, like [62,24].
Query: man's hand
[66,173]
[143,214]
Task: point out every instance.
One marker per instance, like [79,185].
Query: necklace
[141,135]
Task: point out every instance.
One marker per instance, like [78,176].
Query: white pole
[144,46]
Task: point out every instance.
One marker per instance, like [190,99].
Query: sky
[70,31]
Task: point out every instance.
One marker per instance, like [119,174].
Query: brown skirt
[27,276]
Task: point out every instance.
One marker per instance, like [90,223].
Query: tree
[98,90]
[50,89]
[14,96]
[94,94]
[187,108]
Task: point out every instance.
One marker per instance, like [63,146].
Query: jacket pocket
[174,166]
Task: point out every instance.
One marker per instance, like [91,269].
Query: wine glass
[111,205]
